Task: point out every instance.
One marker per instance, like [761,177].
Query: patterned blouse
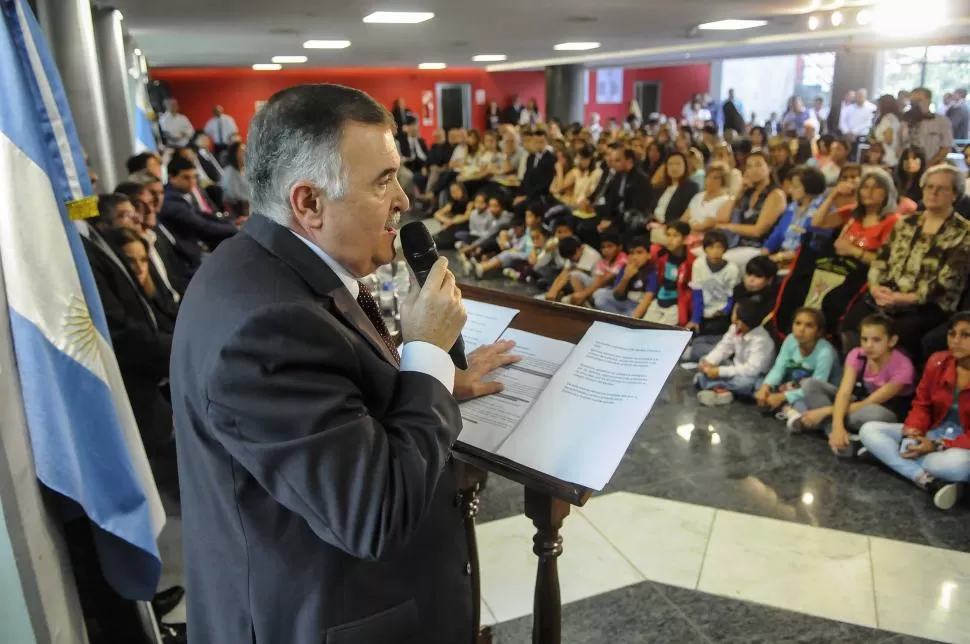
[933,266]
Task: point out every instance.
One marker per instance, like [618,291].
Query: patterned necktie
[373,313]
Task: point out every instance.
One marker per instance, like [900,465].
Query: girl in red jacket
[932,448]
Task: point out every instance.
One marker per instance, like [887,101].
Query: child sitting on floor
[877,383]
[605,272]
[668,296]
[713,280]
[630,284]
[804,354]
[739,360]
[495,219]
[577,273]
[932,447]
[514,245]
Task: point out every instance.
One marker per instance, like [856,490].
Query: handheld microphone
[421,254]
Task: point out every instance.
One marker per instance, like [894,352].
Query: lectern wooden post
[547,499]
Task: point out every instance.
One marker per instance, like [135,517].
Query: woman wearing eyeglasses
[919,276]
[932,447]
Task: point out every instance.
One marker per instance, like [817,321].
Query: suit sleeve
[286,401]
[208,230]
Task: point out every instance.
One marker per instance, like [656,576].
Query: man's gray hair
[144,178]
[296,137]
[958,176]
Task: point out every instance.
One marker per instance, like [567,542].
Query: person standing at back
[220,128]
[318,495]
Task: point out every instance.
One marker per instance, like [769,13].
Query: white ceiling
[216,33]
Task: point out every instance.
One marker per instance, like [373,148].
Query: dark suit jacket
[412,163]
[959,120]
[318,500]
[192,226]
[175,258]
[142,349]
[635,193]
[678,202]
[538,176]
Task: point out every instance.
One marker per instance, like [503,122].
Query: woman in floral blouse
[919,275]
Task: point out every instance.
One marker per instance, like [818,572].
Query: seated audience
[867,227]
[235,187]
[628,189]
[838,156]
[180,215]
[483,234]
[932,446]
[724,155]
[613,262]
[539,172]
[654,158]
[759,286]
[877,385]
[543,263]
[875,157]
[909,173]
[564,182]
[514,245]
[587,177]
[630,284]
[702,210]
[713,281]
[579,262]
[457,214]
[668,298]
[753,214]
[805,355]
[781,160]
[161,252]
[919,276]
[807,194]
[738,361]
[148,161]
[758,138]
[414,153]
[132,248]
[670,204]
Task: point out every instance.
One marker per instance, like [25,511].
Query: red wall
[237,90]
[677,84]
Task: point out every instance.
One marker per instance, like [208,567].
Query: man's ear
[307,205]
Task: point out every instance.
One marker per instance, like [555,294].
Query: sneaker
[512,274]
[479,270]
[466,264]
[862,451]
[793,421]
[715,397]
[459,245]
[945,494]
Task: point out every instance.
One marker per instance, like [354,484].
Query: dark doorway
[648,96]
[454,102]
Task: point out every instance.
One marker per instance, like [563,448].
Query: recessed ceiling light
[576,46]
[488,58]
[267,67]
[837,18]
[731,25]
[399,17]
[864,17]
[289,59]
[326,44]
[137,52]
[432,66]
[813,23]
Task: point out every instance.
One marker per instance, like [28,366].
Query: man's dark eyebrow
[387,174]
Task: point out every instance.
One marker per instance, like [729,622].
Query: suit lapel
[319,277]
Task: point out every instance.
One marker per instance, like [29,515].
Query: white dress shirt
[221,128]
[858,118]
[177,128]
[156,260]
[423,357]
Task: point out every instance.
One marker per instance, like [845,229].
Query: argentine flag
[144,133]
[83,435]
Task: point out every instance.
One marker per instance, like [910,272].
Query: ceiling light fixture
[289,59]
[326,44]
[864,17]
[398,17]
[576,46]
[489,58]
[837,18]
[137,52]
[814,23]
[432,66]
[731,25]
[267,67]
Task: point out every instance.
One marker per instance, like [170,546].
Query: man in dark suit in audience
[512,113]
[414,153]
[318,495]
[540,170]
[180,216]
[629,190]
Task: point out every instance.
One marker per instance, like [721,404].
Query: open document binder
[574,402]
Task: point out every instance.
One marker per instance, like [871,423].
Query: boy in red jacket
[932,448]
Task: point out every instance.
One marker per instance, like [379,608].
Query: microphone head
[418,246]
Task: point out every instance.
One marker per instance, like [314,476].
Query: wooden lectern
[547,499]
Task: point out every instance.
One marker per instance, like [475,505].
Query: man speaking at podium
[318,499]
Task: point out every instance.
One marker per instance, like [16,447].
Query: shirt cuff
[425,357]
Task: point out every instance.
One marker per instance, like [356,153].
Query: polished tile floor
[720,527]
